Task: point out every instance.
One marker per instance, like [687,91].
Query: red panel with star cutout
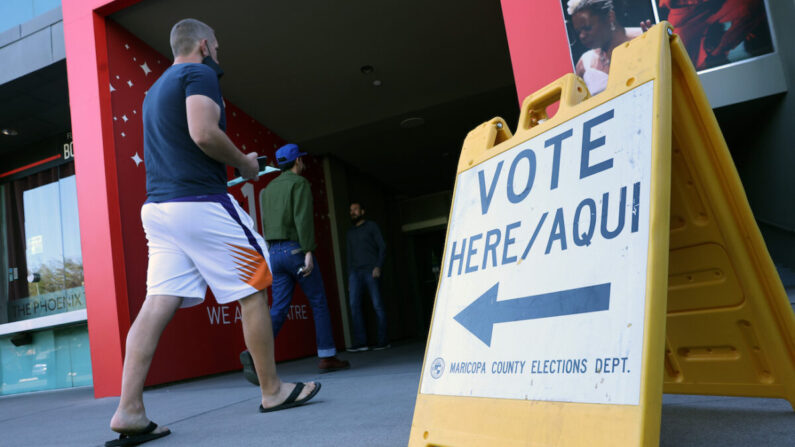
[208,328]
[109,73]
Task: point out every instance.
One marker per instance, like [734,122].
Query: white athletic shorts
[200,241]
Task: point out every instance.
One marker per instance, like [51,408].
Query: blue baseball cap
[288,153]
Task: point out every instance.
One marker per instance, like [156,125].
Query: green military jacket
[286,206]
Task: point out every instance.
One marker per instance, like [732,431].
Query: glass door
[42,245]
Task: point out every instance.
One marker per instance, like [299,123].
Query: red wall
[204,339]
[537,42]
[97,198]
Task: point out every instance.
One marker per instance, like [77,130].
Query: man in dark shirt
[198,235]
[288,226]
[366,250]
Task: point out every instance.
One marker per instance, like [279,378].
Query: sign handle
[569,90]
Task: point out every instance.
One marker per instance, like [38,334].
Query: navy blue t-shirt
[175,166]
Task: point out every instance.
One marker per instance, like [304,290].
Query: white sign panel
[542,290]
[36,244]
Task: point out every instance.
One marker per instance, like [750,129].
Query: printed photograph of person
[595,27]
[719,32]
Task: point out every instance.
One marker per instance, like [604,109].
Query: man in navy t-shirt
[176,166]
[197,235]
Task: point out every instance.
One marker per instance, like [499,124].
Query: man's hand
[308,264]
[736,11]
[377,272]
[249,168]
[744,15]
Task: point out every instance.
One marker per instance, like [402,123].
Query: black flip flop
[292,400]
[145,435]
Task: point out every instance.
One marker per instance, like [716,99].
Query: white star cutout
[111,88]
[133,59]
[130,83]
[145,68]
[134,112]
[136,159]
[124,117]
[244,146]
[114,119]
[126,46]
[234,113]
[146,91]
[123,135]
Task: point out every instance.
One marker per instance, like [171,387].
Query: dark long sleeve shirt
[287,211]
[366,247]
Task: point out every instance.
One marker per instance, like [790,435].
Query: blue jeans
[358,280]
[286,259]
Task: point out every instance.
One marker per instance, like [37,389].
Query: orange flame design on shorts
[253,269]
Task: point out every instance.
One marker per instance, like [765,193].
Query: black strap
[294,395]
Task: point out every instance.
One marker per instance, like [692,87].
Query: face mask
[208,61]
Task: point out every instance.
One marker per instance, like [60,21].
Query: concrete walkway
[369,405]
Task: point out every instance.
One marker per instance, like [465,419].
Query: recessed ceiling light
[412,122]
[377,83]
[367,69]
[9,132]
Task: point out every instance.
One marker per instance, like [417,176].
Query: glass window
[42,246]
[51,359]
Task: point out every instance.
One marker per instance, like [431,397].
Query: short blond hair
[187,34]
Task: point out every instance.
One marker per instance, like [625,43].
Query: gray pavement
[369,405]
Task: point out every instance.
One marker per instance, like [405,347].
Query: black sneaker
[381,347]
[248,368]
[358,348]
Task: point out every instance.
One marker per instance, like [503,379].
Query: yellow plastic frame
[730,329]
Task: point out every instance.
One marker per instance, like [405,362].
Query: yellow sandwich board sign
[566,244]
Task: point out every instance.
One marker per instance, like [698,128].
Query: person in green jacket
[288,227]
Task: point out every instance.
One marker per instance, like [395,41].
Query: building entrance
[428,250]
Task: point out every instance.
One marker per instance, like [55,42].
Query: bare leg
[142,341]
[258,335]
